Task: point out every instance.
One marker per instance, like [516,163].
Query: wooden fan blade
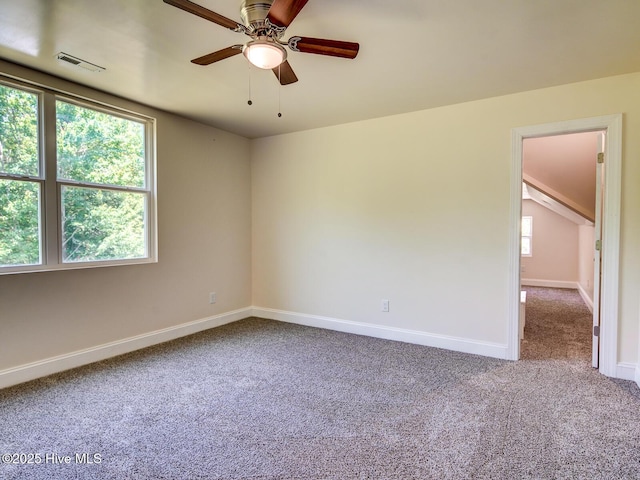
[205,13]
[321,46]
[285,73]
[282,12]
[217,56]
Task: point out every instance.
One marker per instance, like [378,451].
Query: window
[20,178]
[527,236]
[76,183]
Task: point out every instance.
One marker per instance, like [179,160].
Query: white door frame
[610,231]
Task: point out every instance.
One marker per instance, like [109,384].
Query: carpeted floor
[259,399]
[558,326]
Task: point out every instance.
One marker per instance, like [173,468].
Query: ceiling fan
[265,21]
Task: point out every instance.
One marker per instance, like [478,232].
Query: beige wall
[415,208]
[204,219]
[555,246]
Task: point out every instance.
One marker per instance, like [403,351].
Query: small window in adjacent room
[527,235]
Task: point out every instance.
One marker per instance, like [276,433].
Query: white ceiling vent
[78,62]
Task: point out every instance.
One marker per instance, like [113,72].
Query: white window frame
[50,199]
[525,236]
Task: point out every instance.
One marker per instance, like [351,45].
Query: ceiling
[550,203]
[565,164]
[414,54]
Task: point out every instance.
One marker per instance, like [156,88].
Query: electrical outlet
[385,305]
[212,297]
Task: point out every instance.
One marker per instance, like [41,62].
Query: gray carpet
[259,399]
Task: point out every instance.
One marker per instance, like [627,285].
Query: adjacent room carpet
[259,399]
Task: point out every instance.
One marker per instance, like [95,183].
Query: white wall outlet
[212,297]
[385,305]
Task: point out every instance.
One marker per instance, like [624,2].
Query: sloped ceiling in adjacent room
[563,168]
[541,198]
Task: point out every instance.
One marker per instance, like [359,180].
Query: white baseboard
[48,366]
[535,282]
[31,371]
[388,333]
[627,371]
[585,297]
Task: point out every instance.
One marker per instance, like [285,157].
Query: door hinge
[601,157]
[596,330]
[598,245]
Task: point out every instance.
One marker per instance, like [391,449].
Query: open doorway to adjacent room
[559,215]
[565,240]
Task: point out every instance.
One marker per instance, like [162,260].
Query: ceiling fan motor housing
[254,13]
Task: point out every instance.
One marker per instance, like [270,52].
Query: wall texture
[414,208]
[204,218]
[555,246]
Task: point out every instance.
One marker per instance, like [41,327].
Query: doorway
[608,307]
[561,188]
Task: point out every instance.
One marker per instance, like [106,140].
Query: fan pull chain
[249,102]
[279,91]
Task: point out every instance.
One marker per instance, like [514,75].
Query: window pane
[526,245]
[100,224]
[19,223]
[527,223]
[96,147]
[18,132]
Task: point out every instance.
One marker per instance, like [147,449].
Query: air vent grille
[78,62]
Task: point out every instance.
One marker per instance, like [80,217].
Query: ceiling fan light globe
[264,54]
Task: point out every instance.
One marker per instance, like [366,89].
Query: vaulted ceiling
[560,171]
[414,54]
